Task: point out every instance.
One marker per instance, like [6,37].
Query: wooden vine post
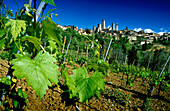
[104,53]
[125,59]
[108,49]
[64,44]
[77,53]
[87,51]
[71,49]
[116,57]
[67,49]
[82,52]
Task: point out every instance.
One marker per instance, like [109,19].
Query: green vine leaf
[52,45]
[38,72]
[52,31]
[2,32]
[168,85]
[49,1]
[72,86]
[33,40]
[16,26]
[5,80]
[2,43]
[9,12]
[101,67]
[86,86]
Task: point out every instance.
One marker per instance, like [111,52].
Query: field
[117,96]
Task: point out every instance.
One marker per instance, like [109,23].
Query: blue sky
[149,15]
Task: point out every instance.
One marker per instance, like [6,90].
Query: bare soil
[56,99]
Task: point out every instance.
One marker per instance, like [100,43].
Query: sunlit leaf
[52,31]
[33,40]
[168,85]
[5,80]
[9,12]
[86,86]
[27,13]
[2,32]
[38,72]
[2,43]
[49,1]
[16,26]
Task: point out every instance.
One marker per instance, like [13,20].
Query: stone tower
[126,28]
[117,26]
[99,26]
[113,27]
[94,29]
[103,24]
[97,29]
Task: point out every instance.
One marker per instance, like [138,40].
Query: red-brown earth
[56,99]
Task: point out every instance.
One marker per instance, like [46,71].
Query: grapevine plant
[30,62]
[34,52]
[132,73]
[83,86]
[7,90]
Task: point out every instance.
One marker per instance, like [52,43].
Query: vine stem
[17,5]
[1,19]
[3,95]
[19,48]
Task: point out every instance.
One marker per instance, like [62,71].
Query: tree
[1,2]
[132,56]
[141,32]
[87,31]
[159,58]
[97,36]
[144,46]
[104,34]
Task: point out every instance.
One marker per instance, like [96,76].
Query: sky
[147,15]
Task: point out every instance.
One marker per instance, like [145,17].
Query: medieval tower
[94,29]
[103,24]
[113,27]
[99,26]
[117,26]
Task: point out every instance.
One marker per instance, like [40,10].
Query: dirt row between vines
[56,99]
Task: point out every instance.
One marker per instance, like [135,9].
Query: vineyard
[43,67]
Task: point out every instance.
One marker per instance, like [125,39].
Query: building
[132,35]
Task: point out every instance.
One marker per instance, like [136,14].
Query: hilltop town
[132,35]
